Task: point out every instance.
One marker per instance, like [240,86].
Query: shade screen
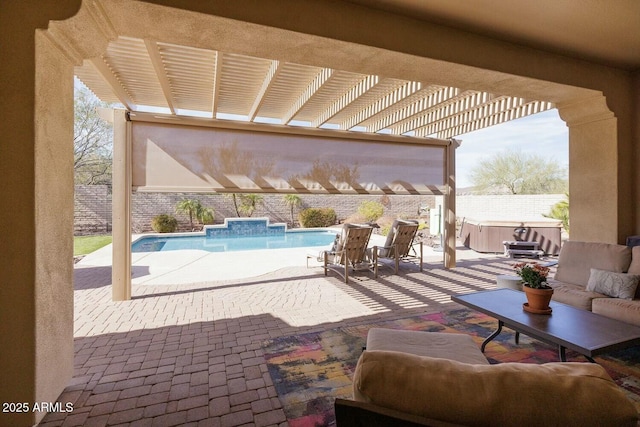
[204,159]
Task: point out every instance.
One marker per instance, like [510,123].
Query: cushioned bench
[412,378]
[459,347]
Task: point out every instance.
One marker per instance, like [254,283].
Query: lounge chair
[349,251]
[399,246]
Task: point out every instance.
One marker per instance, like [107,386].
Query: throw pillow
[617,285]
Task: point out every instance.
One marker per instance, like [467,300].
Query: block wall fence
[506,206]
[93,207]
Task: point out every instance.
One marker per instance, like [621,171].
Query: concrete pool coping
[194,266]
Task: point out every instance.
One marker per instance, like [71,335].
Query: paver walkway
[192,354]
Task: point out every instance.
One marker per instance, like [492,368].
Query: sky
[543,134]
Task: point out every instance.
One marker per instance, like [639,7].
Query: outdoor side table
[510,282]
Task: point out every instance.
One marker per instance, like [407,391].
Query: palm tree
[249,203]
[205,215]
[293,200]
[561,211]
[234,199]
[191,207]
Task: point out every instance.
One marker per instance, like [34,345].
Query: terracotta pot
[538,299]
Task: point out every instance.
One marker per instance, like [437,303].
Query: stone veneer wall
[92,213]
[148,205]
[93,207]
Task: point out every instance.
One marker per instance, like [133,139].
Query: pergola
[186,81]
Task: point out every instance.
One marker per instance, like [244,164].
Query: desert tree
[515,172]
[92,140]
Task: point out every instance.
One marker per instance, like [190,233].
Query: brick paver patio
[192,354]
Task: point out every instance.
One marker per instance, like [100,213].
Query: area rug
[310,370]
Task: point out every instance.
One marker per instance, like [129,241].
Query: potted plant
[534,285]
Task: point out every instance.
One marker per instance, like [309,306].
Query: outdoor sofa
[414,378]
[599,277]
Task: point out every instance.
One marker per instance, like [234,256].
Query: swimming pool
[289,239]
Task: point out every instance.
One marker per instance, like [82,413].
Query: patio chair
[399,246]
[349,251]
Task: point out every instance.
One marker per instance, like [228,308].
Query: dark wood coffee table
[567,327]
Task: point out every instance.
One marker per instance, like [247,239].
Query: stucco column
[593,169]
[121,207]
[635,132]
[36,221]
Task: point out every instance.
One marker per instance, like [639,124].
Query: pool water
[297,239]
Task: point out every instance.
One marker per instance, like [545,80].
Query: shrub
[355,218]
[385,225]
[317,217]
[164,223]
[371,210]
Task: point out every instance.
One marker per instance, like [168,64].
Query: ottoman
[458,347]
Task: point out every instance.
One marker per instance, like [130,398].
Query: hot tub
[487,235]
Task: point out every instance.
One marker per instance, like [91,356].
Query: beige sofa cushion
[578,258]
[634,267]
[625,310]
[573,295]
[508,394]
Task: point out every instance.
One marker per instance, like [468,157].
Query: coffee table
[567,327]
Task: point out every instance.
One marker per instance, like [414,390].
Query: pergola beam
[267,83]
[156,61]
[441,121]
[381,104]
[408,107]
[419,112]
[469,122]
[468,102]
[218,58]
[116,87]
[362,87]
[319,80]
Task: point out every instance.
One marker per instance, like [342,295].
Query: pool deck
[193,266]
[192,354]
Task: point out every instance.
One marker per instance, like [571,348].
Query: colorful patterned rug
[310,370]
